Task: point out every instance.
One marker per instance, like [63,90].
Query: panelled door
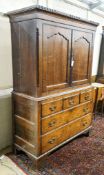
[56,44]
[81,57]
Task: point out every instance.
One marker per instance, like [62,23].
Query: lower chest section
[44,125]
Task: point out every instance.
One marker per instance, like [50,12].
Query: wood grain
[54,121]
[51,107]
[70,101]
[54,138]
[86,96]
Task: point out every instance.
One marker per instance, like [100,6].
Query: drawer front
[71,101]
[52,122]
[53,139]
[56,120]
[51,107]
[86,96]
[78,126]
[56,137]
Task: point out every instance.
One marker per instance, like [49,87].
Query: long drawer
[53,121]
[65,132]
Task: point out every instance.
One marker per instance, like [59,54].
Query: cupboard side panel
[25,57]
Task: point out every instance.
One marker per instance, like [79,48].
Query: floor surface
[82,156]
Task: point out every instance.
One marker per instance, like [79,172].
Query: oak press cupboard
[52,92]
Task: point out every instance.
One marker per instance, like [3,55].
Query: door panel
[81,53]
[56,57]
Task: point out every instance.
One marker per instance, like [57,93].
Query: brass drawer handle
[52,141]
[85,110]
[84,123]
[71,102]
[52,123]
[87,97]
[52,108]
[66,121]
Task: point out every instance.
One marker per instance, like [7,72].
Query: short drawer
[56,137]
[54,121]
[86,96]
[71,101]
[51,107]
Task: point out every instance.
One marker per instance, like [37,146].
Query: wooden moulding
[48,10]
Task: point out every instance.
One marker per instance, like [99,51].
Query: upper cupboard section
[66,56]
[51,50]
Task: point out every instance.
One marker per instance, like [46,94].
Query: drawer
[56,137]
[71,101]
[86,96]
[53,139]
[86,108]
[79,125]
[51,107]
[53,121]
